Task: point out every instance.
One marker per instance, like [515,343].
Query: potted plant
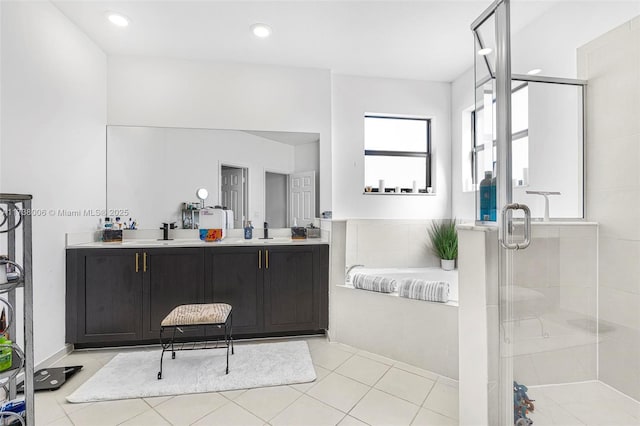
[444,242]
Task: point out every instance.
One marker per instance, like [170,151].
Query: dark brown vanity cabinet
[292,288]
[234,276]
[120,296]
[104,295]
[171,277]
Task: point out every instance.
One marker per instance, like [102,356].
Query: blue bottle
[488,198]
[248,230]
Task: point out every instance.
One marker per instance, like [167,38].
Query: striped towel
[374,283]
[434,291]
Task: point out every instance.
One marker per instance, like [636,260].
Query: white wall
[550,41]
[178,93]
[612,65]
[352,97]
[152,170]
[53,140]
[306,157]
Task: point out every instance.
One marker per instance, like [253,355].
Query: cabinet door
[234,276]
[172,277]
[291,288]
[109,296]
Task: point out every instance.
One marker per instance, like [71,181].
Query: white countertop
[226,242]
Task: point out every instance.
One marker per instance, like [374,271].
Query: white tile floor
[589,403]
[353,388]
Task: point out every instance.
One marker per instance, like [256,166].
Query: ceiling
[425,40]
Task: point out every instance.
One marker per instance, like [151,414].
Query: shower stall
[551,309]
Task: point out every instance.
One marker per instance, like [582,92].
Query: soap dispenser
[248,230]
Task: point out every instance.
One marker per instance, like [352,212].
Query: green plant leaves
[444,238]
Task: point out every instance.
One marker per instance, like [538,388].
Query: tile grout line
[281,411]
[210,412]
[421,406]
[388,393]
[161,416]
[367,393]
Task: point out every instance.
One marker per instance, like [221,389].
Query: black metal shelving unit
[15,216]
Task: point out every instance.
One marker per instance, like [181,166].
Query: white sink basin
[142,243]
[276,240]
[159,243]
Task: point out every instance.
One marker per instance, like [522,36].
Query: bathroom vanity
[117,294]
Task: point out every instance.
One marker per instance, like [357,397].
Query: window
[482,138]
[397,150]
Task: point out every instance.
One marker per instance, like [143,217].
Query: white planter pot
[448,265]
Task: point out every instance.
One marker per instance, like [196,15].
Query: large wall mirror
[154,172]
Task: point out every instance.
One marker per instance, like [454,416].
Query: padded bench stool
[197,315]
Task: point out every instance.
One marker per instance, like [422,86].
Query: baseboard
[66,350]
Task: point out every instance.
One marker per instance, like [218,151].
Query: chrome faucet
[349,268]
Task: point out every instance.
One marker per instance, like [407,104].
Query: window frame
[395,153]
[475,148]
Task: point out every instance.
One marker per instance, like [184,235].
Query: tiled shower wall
[555,305]
[378,243]
[611,64]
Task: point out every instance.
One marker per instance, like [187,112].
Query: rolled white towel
[433,291]
[374,283]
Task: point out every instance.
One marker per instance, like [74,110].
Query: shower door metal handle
[505,228]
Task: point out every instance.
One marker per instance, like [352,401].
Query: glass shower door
[542,307]
[494,202]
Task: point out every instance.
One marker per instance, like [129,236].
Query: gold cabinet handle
[137,258]
[267,259]
[144,262]
[259,259]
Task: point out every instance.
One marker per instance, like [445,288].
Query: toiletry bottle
[248,230]
[493,200]
[485,197]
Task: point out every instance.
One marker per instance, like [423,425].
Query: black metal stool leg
[162,355]
[173,338]
[231,331]
[226,340]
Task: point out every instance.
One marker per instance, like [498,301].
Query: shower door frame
[502,410]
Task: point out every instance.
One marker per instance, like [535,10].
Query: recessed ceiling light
[485,51]
[534,71]
[117,19]
[261,30]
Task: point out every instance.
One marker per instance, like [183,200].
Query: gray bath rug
[134,374]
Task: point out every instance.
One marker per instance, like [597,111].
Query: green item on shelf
[6,353]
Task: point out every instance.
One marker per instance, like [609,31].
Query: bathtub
[417,332]
[428,274]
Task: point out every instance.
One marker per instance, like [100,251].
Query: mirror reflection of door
[276,199]
[233,192]
[302,197]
